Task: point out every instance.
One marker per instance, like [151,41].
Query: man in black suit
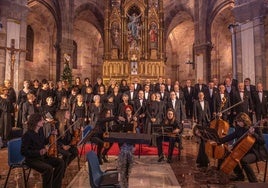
[132,94]
[137,85]
[210,94]
[188,91]
[147,93]
[179,93]
[242,95]
[201,115]
[251,89]
[169,86]
[164,95]
[157,85]
[221,102]
[199,87]
[179,110]
[260,99]
[178,107]
[140,109]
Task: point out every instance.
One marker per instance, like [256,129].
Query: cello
[222,127]
[242,146]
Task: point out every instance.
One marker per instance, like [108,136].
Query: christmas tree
[67,71]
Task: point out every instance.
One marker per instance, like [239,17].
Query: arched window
[74,55]
[30,43]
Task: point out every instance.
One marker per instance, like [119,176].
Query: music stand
[89,132]
[209,133]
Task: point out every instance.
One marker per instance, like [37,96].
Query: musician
[122,105]
[95,109]
[201,114]
[59,93]
[35,151]
[12,97]
[85,86]
[28,108]
[210,94]
[69,152]
[140,105]
[137,85]
[22,98]
[117,98]
[49,111]
[162,107]
[260,100]
[152,114]
[221,102]
[199,87]
[123,86]
[126,158]
[242,95]
[132,94]
[79,109]
[104,125]
[188,91]
[6,112]
[258,151]
[177,130]
[43,93]
[169,86]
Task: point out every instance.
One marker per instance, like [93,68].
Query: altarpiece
[134,41]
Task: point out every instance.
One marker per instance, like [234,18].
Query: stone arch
[179,46]
[220,37]
[45,23]
[170,22]
[98,18]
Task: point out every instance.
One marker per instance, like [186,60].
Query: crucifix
[12,51]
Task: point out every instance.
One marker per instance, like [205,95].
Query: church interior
[115,40]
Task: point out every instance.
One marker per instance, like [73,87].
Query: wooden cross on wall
[12,50]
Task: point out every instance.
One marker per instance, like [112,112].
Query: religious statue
[67,58]
[134,25]
[115,35]
[153,33]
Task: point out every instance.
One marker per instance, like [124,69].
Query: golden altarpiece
[133,35]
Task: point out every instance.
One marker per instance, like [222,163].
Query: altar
[134,44]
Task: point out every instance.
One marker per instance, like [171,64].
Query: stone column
[202,63]
[250,35]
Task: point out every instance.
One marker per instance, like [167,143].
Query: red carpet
[145,149]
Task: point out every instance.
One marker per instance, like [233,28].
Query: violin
[52,149]
[76,137]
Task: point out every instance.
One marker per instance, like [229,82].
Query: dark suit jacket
[197,90]
[245,106]
[260,108]
[217,105]
[179,109]
[189,97]
[201,116]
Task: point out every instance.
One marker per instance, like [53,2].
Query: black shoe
[100,161]
[161,158]
[105,160]
[237,178]
[169,160]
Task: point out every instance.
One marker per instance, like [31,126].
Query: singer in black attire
[34,149]
[258,151]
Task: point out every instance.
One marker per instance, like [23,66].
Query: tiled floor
[146,172]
